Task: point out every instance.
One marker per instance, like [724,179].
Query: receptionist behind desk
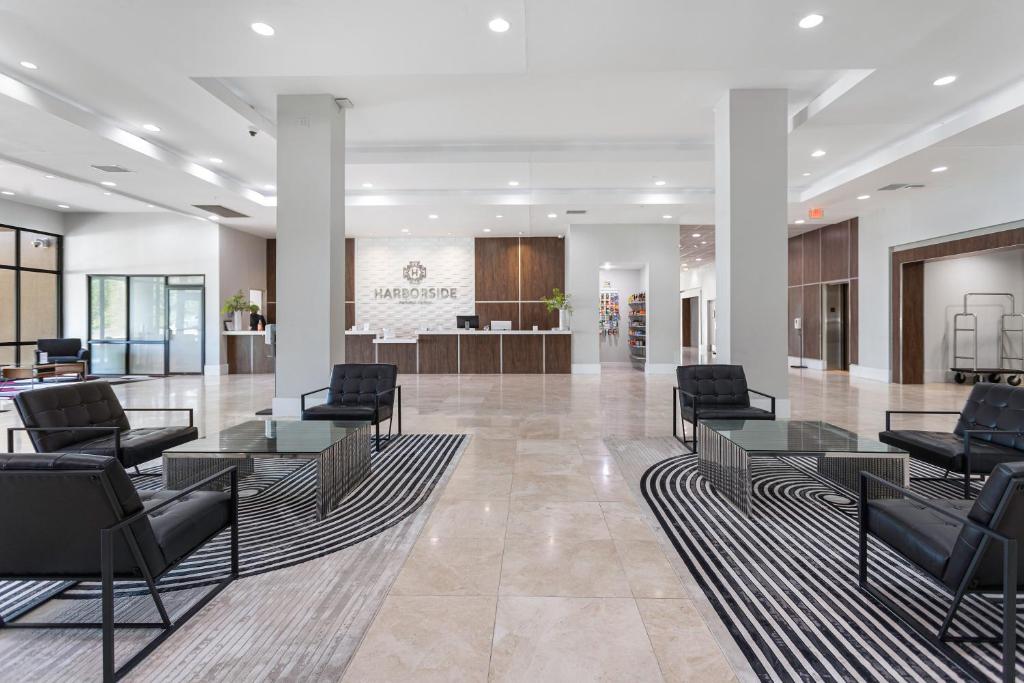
[467,322]
[256,321]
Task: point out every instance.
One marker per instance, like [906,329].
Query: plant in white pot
[235,306]
[559,301]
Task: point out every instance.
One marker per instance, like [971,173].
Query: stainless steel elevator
[835,315]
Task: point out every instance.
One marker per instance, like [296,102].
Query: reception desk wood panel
[439,354]
[402,355]
[480,355]
[359,348]
[248,353]
[522,354]
[557,354]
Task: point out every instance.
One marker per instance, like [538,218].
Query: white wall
[655,247]
[136,244]
[945,283]
[700,282]
[910,217]
[615,347]
[21,215]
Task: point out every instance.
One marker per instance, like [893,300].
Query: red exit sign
[816,213]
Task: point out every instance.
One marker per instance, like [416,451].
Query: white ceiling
[584,104]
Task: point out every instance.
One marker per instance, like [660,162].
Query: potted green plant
[559,301]
[234,306]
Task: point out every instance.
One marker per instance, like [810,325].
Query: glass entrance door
[184,329]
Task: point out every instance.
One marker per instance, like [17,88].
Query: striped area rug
[277,519]
[784,580]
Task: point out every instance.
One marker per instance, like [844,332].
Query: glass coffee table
[728,448]
[341,451]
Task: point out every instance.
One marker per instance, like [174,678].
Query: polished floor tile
[451,566]
[649,573]
[559,520]
[685,647]
[561,567]
[468,519]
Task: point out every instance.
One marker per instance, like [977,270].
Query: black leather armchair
[963,547]
[88,418]
[360,391]
[713,392]
[72,517]
[62,350]
[990,431]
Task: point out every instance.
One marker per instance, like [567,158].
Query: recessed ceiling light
[864,196]
[818,153]
[806,173]
[666,216]
[107,194]
[939,169]
[405,229]
[367,186]
[151,127]
[487,229]
[433,216]
[63,206]
[498,216]
[150,206]
[49,177]
[945,80]
[552,215]
[216,160]
[659,183]
[513,183]
[696,234]
[211,217]
[269,187]
[8,193]
[810,21]
[262,29]
[29,65]
[800,221]
[109,183]
[697,259]
[499,25]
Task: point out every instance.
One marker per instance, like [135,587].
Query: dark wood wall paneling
[904,353]
[512,274]
[270,312]
[350,282]
[825,255]
[912,315]
[402,355]
[359,348]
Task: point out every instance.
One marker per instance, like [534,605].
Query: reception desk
[466,352]
[249,353]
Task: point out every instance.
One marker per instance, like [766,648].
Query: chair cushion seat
[946,450]
[921,535]
[138,445]
[728,412]
[62,359]
[333,411]
[186,523]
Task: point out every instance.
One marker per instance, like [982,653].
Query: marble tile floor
[537,562]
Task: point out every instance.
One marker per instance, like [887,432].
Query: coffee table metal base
[727,467]
[339,468]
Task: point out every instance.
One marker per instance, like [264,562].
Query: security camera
[253,131]
[43,242]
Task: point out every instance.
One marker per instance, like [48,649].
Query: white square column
[310,245]
[751,256]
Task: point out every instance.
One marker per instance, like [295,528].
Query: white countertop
[458,331]
[243,333]
[396,340]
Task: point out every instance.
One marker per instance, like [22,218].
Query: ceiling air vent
[900,186]
[575,212]
[222,211]
[112,168]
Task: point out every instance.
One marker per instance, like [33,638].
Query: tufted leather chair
[86,417]
[959,544]
[76,517]
[989,431]
[714,392]
[360,391]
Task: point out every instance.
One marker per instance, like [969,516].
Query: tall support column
[310,245]
[751,163]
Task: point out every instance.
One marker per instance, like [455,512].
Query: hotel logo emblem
[415,272]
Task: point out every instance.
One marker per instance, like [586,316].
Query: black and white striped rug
[784,581]
[277,519]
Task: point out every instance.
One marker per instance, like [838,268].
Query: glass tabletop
[273,436]
[795,436]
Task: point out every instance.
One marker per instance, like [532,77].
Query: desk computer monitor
[470,321]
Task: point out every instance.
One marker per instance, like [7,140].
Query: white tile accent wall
[450,263]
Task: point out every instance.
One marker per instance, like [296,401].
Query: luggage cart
[1009,342]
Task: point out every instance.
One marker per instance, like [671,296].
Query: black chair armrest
[232,470]
[693,398]
[761,393]
[890,413]
[380,394]
[115,430]
[302,398]
[83,354]
[865,477]
[191,415]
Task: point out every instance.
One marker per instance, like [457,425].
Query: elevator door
[835,317]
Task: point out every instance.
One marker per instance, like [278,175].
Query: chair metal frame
[106,577]
[678,420]
[1008,638]
[397,390]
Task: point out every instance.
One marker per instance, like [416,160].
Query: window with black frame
[30,292]
[146,324]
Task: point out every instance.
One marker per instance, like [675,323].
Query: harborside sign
[415,273]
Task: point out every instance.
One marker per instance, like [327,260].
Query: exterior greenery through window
[31,263]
